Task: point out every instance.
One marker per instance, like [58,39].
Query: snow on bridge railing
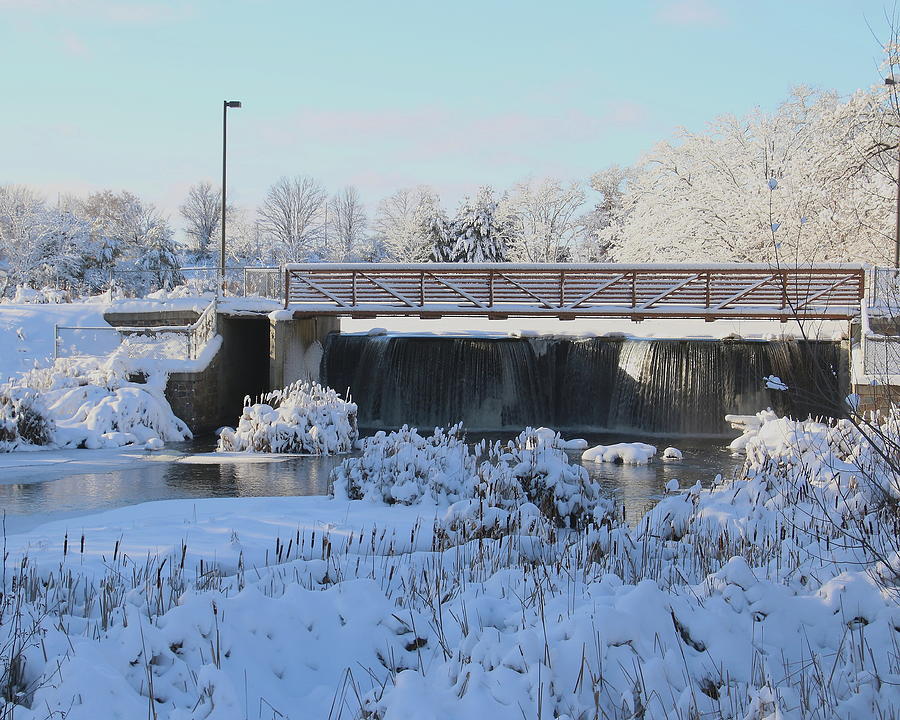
[498,290]
[175,342]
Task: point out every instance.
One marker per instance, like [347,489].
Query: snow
[485,486]
[746,600]
[634,453]
[303,418]
[773,382]
[673,328]
[89,403]
[26,331]
[672,453]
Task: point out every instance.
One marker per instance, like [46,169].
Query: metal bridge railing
[600,290]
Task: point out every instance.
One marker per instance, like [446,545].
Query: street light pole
[225,105]
[890,81]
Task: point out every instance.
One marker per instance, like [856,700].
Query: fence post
[55,341]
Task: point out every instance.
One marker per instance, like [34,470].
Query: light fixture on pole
[225,105]
[894,83]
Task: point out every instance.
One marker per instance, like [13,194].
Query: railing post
[562,288]
[353,288]
[287,285]
[491,288]
[783,289]
[421,288]
[708,280]
[633,289]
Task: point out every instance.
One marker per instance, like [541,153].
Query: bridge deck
[569,291]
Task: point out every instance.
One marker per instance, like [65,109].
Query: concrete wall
[194,396]
[295,348]
[876,397]
[155,318]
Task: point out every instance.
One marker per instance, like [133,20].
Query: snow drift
[89,403]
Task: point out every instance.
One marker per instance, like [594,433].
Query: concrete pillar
[295,349]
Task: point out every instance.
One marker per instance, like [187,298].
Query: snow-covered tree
[293,215]
[546,223]
[202,210]
[607,212]
[406,223]
[479,232]
[160,258]
[346,225]
[709,197]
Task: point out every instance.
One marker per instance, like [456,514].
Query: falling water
[654,386]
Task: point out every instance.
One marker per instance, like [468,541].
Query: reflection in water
[26,505]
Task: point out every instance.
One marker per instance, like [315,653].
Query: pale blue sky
[128,95]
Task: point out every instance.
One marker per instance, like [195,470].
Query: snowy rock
[773,382]
[551,438]
[635,453]
[672,485]
[672,453]
[154,444]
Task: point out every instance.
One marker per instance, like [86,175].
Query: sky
[388,94]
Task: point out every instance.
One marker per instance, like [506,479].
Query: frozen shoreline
[731,602]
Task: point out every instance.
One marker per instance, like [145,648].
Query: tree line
[814,180]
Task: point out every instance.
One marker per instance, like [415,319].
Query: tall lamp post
[225,105]
[894,83]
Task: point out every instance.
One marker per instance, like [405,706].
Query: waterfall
[591,384]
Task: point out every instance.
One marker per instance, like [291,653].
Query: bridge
[569,291]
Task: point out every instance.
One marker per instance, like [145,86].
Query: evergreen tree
[478,233]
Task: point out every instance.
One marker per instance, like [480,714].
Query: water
[32,497]
[684,387]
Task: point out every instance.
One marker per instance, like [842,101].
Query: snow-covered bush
[91,403]
[21,422]
[303,418]
[25,295]
[405,467]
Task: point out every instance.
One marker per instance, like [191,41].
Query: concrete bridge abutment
[296,347]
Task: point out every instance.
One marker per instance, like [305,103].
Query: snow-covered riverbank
[771,596]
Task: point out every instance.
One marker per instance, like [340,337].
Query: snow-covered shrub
[25,295]
[562,491]
[487,487]
[90,402]
[405,467]
[304,418]
[22,422]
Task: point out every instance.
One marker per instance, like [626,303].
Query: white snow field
[26,331]
[448,581]
[773,595]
